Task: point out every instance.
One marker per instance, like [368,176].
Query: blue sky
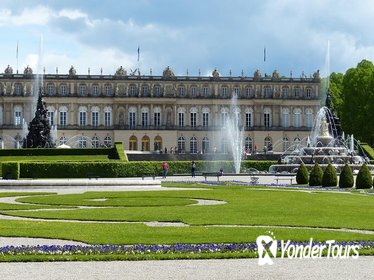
[186,35]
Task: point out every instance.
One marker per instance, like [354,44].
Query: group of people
[165,169]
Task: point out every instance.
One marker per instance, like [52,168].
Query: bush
[346,179]
[10,170]
[302,176]
[364,180]
[329,178]
[316,174]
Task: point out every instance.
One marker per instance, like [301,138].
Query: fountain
[326,144]
[234,134]
[39,135]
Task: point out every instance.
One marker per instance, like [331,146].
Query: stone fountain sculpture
[39,135]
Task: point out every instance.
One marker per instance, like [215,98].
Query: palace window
[297,117]
[63,140]
[181,144]
[133,143]
[205,145]
[157,117]
[107,116]
[285,92]
[95,117]
[309,118]
[248,144]
[82,90]
[157,91]
[286,144]
[82,142]
[132,118]
[193,145]
[181,92]
[107,141]
[205,117]
[267,118]
[63,90]
[18,89]
[63,118]
[224,92]
[108,90]
[50,89]
[193,91]
[95,142]
[285,118]
[133,92]
[95,90]
[145,90]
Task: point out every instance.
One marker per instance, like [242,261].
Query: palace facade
[152,113]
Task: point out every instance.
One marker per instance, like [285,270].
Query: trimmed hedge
[346,179]
[329,178]
[10,170]
[115,152]
[364,179]
[302,175]
[115,169]
[316,174]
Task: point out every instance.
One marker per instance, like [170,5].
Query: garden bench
[91,175]
[212,174]
[290,179]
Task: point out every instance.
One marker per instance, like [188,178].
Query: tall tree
[357,109]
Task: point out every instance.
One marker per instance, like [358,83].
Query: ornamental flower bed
[152,249]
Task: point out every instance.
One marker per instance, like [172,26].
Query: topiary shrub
[316,174]
[329,178]
[346,179]
[364,180]
[302,176]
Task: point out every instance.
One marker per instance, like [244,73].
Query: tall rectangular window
[193,119]
[181,119]
[267,120]
[157,119]
[107,119]
[95,119]
[205,119]
[223,119]
[144,119]
[132,119]
[50,116]
[248,120]
[17,118]
[82,118]
[63,119]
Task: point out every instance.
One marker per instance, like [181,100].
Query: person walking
[165,168]
[193,169]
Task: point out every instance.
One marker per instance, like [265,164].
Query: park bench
[289,179]
[212,174]
[92,175]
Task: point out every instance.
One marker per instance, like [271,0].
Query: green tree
[364,180]
[316,174]
[329,178]
[336,90]
[357,110]
[346,179]
[302,176]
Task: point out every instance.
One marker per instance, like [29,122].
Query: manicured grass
[117,217]
[245,206]
[56,158]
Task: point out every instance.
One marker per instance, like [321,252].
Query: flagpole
[17,56]
[138,59]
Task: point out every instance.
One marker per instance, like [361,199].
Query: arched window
[248,118]
[193,145]
[63,116]
[309,118]
[145,143]
[158,143]
[63,140]
[193,117]
[205,145]
[82,142]
[95,90]
[95,119]
[51,115]
[108,116]
[286,117]
[95,142]
[181,114]
[157,117]
[181,144]
[82,116]
[132,117]
[297,117]
[224,116]
[51,89]
[267,117]
[205,116]
[268,143]
[18,115]
[248,144]
[286,144]
[133,143]
[145,113]
[107,141]
[63,90]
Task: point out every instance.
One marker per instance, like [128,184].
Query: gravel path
[361,268]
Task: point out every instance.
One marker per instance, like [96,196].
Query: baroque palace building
[154,113]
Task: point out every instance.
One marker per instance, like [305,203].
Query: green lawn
[246,206]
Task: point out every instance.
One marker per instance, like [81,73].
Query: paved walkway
[361,268]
